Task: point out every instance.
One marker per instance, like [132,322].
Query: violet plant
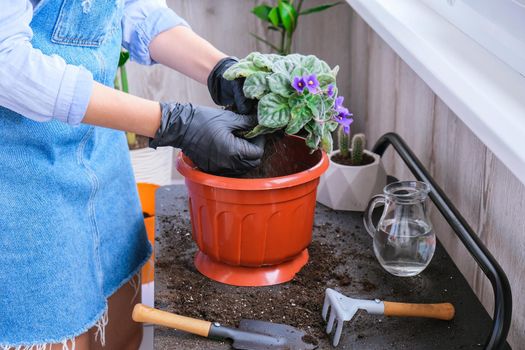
[294,92]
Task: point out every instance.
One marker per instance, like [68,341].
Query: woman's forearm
[178,48]
[114,109]
[181,49]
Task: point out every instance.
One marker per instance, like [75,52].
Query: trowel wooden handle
[143,313]
[444,311]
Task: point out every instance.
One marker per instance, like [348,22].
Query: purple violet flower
[342,112]
[330,90]
[312,84]
[345,123]
[299,84]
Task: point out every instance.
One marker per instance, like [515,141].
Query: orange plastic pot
[147,201]
[254,232]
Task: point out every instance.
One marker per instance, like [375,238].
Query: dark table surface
[440,282]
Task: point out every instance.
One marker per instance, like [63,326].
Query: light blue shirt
[42,87]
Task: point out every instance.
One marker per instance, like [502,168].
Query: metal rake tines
[340,308]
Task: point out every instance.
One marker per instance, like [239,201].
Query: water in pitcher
[404,248]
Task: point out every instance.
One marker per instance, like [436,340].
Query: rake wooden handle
[443,311]
[143,313]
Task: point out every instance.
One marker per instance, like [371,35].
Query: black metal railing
[500,284]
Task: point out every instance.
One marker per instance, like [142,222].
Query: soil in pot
[283,156]
[339,159]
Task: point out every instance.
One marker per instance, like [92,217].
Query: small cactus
[358,145]
[344,143]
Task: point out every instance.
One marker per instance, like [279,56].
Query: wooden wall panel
[381,98]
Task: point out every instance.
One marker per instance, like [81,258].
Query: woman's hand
[206,136]
[228,92]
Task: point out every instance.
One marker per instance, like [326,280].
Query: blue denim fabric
[71,226]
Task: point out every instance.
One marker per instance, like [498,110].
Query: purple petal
[311,83]
[299,84]
[330,91]
[339,101]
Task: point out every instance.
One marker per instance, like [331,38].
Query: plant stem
[266,42]
[283,42]
[289,44]
[124,78]
[116,82]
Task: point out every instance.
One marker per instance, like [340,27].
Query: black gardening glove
[228,92]
[206,136]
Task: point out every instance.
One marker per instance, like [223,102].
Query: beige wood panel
[456,155]
[503,229]
[414,117]
[383,65]
[359,55]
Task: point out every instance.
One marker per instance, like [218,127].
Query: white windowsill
[485,93]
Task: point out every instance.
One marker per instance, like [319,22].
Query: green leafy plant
[284,18]
[293,92]
[121,83]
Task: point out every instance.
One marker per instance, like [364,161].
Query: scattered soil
[142,142]
[297,303]
[339,159]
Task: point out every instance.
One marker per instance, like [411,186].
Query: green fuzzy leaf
[325,79]
[280,84]
[320,8]
[332,125]
[262,11]
[325,68]
[259,130]
[327,141]
[315,104]
[296,100]
[242,69]
[256,85]
[284,66]
[301,115]
[273,16]
[261,61]
[311,63]
[300,72]
[273,111]
[335,71]
[313,140]
[295,59]
[288,16]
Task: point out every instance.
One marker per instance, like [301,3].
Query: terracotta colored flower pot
[147,200]
[254,232]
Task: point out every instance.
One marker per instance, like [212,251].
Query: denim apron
[71,226]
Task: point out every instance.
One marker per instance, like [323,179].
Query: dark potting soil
[297,303]
[280,158]
[339,159]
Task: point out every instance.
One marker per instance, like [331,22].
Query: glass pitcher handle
[367,218]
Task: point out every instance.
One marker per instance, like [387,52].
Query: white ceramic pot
[345,187]
[153,166]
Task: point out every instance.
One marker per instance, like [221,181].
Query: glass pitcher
[404,242]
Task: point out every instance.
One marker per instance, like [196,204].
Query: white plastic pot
[153,166]
[345,187]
